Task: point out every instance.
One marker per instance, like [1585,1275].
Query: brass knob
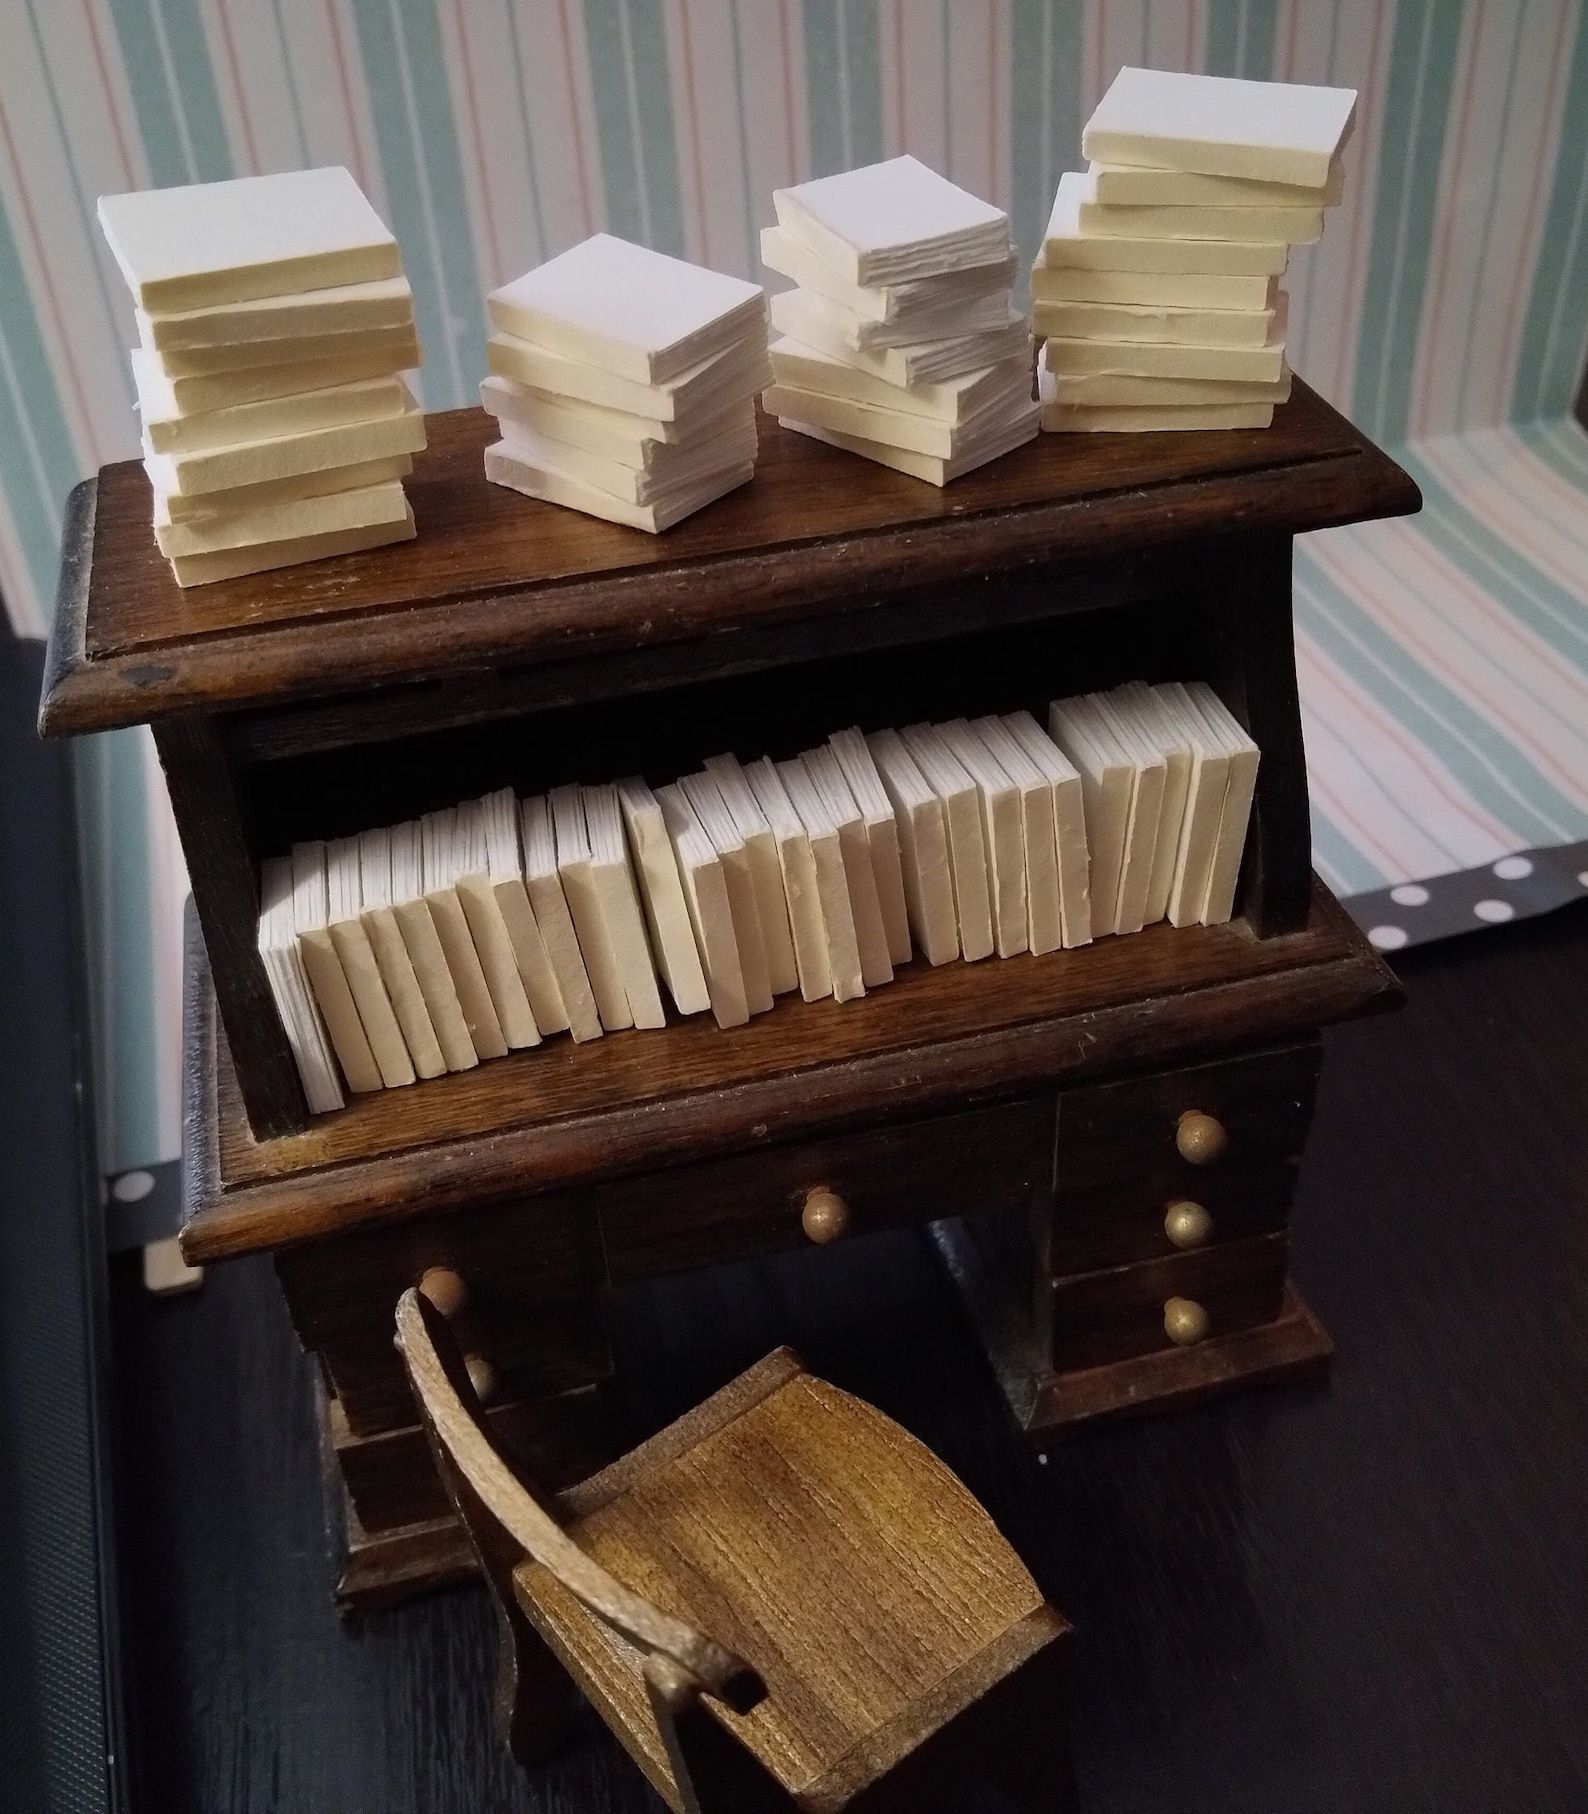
[1187,1224]
[1200,1138]
[482,1376]
[1185,1322]
[445,1289]
[825,1216]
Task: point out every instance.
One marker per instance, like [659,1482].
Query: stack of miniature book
[624,382]
[485,928]
[1156,293]
[900,342]
[273,321]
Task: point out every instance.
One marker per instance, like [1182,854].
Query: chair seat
[828,1549]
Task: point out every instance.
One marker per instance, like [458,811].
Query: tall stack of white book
[900,342]
[493,925]
[273,321]
[1156,294]
[623,383]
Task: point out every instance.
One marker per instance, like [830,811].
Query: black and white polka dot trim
[1514,888]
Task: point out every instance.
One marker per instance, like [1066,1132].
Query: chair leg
[534,1700]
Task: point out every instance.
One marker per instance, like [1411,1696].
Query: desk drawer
[1116,1315]
[1119,1166]
[532,1302]
[756,1203]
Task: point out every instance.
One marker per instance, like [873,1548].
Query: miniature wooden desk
[1033,1112]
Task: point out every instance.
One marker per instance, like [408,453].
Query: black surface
[59,1719]
[1366,1595]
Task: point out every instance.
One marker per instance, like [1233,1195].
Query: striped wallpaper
[1450,292]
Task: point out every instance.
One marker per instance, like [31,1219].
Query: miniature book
[662,890]
[543,884]
[967,848]
[706,802]
[289,988]
[832,883]
[766,870]
[376,887]
[1281,132]
[208,243]
[446,854]
[923,848]
[798,866]
[345,920]
[322,965]
[710,914]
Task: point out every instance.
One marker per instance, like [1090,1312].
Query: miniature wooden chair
[876,1645]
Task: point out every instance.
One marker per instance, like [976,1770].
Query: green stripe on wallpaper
[1410,152]
[1491,178]
[752,242]
[627,56]
[1551,612]
[521,96]
[406,73]
[843,84]
[1350,872]
[88,225]
[166,56]
[1491,768]
[294,99]
[1548,369]
[1044,109]
[40,461]
[646,49]
[1240,39]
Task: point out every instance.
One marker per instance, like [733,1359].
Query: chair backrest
[510,1520]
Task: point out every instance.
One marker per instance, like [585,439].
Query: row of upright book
[411,950]
[274,320]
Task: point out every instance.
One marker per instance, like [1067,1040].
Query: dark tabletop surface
[1370,1594]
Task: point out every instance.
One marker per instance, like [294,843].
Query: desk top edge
[114,663]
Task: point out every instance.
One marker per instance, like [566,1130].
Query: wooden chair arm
[451,1408]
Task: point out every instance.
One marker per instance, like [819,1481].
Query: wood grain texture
[493,575]
[1253,1581]
[630,1102]
[871,1593]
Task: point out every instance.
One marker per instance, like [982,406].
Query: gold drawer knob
[1185,1322]
[825,1216]
[445,1289]
[1187,1224]
[1200,1138]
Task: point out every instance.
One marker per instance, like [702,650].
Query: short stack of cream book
[900,342]
[1156,294]
[488,927]
[273,320]
[623,383]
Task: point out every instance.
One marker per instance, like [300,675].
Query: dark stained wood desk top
[1363,1596]
[496,576]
